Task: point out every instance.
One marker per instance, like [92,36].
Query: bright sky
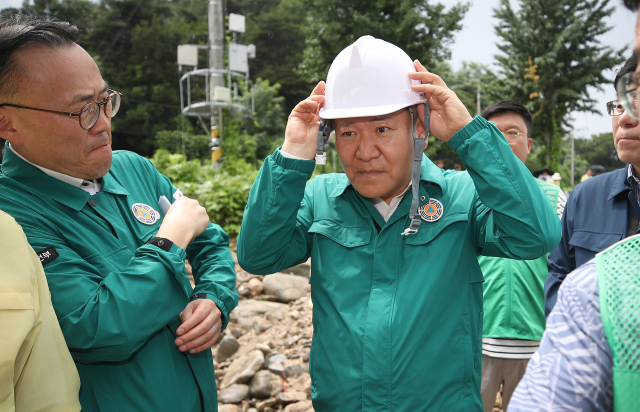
[477,43]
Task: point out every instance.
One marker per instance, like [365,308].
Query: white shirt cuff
[290,156]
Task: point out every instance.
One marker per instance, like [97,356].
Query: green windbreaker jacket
[514,290]
[117,298]
[398,319]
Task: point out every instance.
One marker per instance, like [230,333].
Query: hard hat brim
[365,111]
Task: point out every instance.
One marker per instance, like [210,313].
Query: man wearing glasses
[605,208]
[138,332]
[512,289]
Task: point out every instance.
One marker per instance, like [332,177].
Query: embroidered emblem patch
[144,213]
[47,255]
[431,211]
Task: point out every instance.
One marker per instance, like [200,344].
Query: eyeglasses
[626,87]
[614,108]
[88,115]
[512,134]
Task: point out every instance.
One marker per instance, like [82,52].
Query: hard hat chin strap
[418,149]
[323,136]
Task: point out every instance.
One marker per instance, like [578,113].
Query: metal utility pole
[573,155]
[216,61]
[478,99]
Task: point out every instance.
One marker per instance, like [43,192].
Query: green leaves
[562,40]
[224,192]
[422,29]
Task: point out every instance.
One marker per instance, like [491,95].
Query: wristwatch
[198,296]
[161,242]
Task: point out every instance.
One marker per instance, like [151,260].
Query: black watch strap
[161,242]
[198,296]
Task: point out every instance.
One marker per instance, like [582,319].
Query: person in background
[457,167]
[513,290]
[139,333]
[588,358]
[37,372]
[603,209]
[555,179]
[440,163]
[586,176]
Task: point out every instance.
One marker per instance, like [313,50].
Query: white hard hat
[369,78]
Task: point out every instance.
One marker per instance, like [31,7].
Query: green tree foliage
[224,193]
[253,136]
[275,26]
[599,150]
[134,42]
[468,80]
[551,54]
[421,28]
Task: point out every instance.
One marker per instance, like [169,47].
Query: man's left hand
[201,326]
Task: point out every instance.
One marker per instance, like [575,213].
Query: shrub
[223,192]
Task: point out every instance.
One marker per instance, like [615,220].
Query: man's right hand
[184,221]
[301,135]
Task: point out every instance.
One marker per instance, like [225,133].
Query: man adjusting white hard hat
[390,309]
[371,78]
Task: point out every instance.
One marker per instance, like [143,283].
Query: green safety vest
[618,271]
[513,290]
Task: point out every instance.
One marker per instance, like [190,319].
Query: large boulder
[290,396]
[228,408]
[234,394]
[285,287]
[249,308]
[243,368]
[303,406]
[265,384]
[227,347]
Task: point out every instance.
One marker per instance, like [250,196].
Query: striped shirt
[517,348]
[572,371]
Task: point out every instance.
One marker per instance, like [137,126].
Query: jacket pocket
[349,237]
[478,342]
[429,231]
[586,244]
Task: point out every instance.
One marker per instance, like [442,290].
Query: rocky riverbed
[262,360]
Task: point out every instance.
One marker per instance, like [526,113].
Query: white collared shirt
[90,186]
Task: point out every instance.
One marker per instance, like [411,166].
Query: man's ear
[7,131]
[529,144]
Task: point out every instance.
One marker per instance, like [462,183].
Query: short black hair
[18,32]
[628,67]
[632,5]
[510,106]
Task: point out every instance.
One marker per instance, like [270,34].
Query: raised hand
[448,114]
[301,135]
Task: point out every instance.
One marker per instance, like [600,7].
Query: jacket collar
[429,172]
[620,183]
[39,182]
